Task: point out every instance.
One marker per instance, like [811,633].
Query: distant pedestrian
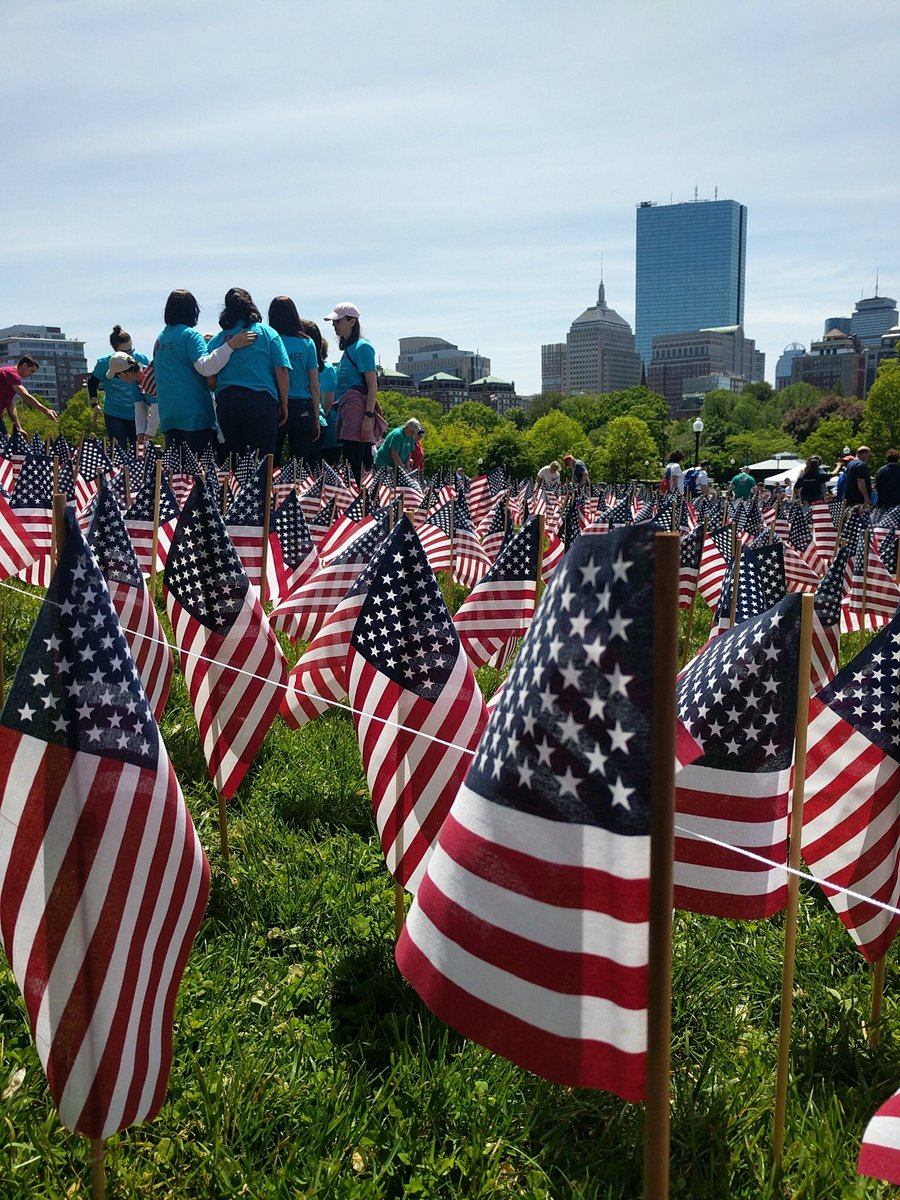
[550,477]
[581,481]
[397,447]
[858,480]
[329,446]
[811,484]
[11,385]
[696,480]
[674,475]
[887,481]
[417,458]
[742,484]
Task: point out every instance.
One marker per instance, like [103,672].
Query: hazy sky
[456,169]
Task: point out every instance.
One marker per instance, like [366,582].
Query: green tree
[554,435]
[473,414]
[829,438]
[78,418]
[543,404]
[516,417]
[629,445]
[398,408]
[505,447]
[801,422]
[454,445]
[881,424]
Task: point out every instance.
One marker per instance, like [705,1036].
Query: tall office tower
[600,354]
[873,317]
[690,270]
[553,366]
[63,365]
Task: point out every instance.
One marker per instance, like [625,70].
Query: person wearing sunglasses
[359,419]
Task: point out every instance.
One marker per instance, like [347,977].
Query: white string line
[347,707]
[342,705]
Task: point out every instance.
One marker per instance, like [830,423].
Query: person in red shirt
[417,458]
[11,385]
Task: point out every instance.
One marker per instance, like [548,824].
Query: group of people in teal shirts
[255,385]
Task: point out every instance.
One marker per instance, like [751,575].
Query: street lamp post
[698,429]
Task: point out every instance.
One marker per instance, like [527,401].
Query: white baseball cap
[344,309]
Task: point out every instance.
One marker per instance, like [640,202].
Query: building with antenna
[598,355]
[690,271]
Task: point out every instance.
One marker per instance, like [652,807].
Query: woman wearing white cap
[357,389]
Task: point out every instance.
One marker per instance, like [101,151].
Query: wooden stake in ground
[223,830]
[878,975]
[662,842]
[98,1169]
[793,883]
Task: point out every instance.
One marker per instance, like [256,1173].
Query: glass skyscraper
[691,266]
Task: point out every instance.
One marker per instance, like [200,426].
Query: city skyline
[472,204]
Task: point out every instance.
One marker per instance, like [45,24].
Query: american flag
[92,460]
[851,821]
[313,498]
[879,1154]
[232,664]
[436,536]
[244,520]
[874,595]
[495,529]
[689,568]
[18,547]
[469,559]
[715,563]
[529,932]
[738,698]
[32,502]
[801,538]
[405,666]
[826,638]
[501,604]
[295,558]
[118,562]
[103,881]
[323,528]
[139,518]
[554,553]
[825,516]
[301,614]
[483,491]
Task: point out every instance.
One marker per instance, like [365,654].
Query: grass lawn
[304,1065]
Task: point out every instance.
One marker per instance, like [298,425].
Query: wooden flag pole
[126,471]
[539,583]
[793,883]
[662,840]
[223,829]
[864,603]
[735,581]
[877,1000]
[154,545]
[98,1168]
[267,520]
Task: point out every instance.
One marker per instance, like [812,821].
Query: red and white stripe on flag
[851,824]
[879,1154]
[18,546]
[747,811]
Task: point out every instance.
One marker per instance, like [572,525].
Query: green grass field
[304,1066]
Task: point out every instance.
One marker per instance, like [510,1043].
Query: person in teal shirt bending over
[742,485]
[398,445]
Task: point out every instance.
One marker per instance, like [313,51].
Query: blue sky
[455,169]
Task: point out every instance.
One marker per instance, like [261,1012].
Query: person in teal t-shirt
[183,365]
[252,389]
[742,485]
[329,448]
[120,389]
[302,426]
[397,446]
